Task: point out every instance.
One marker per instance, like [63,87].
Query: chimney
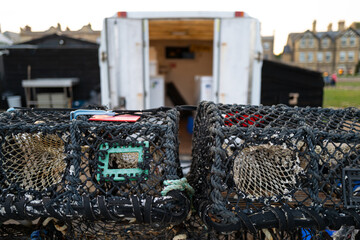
[341,25]
[330,27]
[27,28]
[314,26]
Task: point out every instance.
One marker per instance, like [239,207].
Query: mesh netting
[196,229]
[34,147]
[265,170]
[115,230]
[123,160]
[256,168]
[91,179]
[28,154]
[258,173]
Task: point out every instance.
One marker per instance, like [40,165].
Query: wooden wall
[199,29]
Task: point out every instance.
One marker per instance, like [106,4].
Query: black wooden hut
[52,56]
[290,85]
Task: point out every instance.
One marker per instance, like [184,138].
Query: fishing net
[34,158]
[195,228]
[85,178]
[26,155]
[276,170]
[265,170]
[115,230]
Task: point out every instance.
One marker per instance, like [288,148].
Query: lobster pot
[85,229]
[125,173]
[34,160]
[280,168]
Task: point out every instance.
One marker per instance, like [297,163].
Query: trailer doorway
[180,55]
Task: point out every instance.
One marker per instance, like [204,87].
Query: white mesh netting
[266,170]
[123,160]
[34,161]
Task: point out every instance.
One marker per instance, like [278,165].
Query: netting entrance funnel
[258,167]
[92,178]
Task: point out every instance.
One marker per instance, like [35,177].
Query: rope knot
[177,184]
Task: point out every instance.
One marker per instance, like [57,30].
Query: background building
[268,47]
[88,34]
[329,51]
[4,40]
[26,34]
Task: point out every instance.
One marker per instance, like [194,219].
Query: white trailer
[180,46]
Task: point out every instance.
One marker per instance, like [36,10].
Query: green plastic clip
[121,155]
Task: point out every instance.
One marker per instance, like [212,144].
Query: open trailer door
[237,61]
[125,67]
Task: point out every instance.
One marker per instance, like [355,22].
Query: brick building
[329,51]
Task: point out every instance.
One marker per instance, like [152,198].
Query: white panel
[146,62]
[235,62]
[204,88]
[257,64]
[124,41]
[216,61]
[110,79]
[130,68]
[157,92]
[103,63]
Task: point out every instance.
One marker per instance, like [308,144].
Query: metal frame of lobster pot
[257,168]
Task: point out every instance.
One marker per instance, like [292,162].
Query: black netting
[257,168]
[85,179]
[258,173]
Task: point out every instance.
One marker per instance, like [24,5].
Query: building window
[351,56]
[319,57]
[311,42]
[352,41]
[302,57]
[342,56]
[310,57]
[343,41]
[328,56]
[325,43]
[266,46]
[302,43]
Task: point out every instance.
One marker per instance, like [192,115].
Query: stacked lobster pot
[276,172]
[92,173]
[35,151]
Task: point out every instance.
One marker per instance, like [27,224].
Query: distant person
[326,79]
[333,79]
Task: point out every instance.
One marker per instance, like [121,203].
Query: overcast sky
[279,17]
